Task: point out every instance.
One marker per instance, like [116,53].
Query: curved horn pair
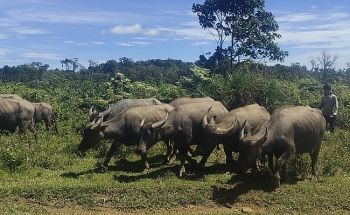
[218,130]
[255,142]
[95,125]
[160,123]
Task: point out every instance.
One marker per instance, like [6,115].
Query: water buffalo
[184,100]
[149,136]
[184,128]
[123,129]
[44,112]
[121,105]
[10,96]
[290,130]
[17,113]
[228,130]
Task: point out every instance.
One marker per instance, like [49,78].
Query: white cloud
[151,32]
[3,52]
[188,33]
[121,29]
[98,43]
[41,56]
[141,43]
[125,44]
[75,43]
[27,30]
[201,43]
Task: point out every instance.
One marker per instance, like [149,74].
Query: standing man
[329,106]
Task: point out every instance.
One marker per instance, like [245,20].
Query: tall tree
[250,29]
[324,62]
[70,64]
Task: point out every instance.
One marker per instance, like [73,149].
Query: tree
[250,29]
[325,63]
[70,64]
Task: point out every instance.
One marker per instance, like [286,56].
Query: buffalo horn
[261,140]
[97,124]
[90,111]
[241,134]
[205,118]
[106,112]
[160,123]
[224,131]
[142,122]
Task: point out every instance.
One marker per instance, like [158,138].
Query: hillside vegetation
[49,177]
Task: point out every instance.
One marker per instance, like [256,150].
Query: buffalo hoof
[173,158]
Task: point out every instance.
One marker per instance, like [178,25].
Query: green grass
[49,176]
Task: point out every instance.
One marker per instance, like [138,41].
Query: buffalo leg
[35,132]
[171,152]
[314,157]
[206,154]
[114,147]
[228,153]
[280,164]
[144,159]
[184,155]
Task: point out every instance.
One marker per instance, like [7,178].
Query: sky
[49,31]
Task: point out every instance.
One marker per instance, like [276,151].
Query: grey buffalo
[185,100]
[121,105]
[227,131]
[149,135]
[45,112]
[10,96]
[123,129]
[17,113]
[184,128]
[290,130]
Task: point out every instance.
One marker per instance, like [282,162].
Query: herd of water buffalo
[249,131]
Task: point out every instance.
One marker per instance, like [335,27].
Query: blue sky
[48,31]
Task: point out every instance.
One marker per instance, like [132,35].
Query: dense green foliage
[245,27]
[50,170]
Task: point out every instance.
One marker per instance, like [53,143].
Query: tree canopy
[248,29]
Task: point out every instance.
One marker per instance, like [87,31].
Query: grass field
[49,178]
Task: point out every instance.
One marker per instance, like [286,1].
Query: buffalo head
[250,147]
[93,134]
[148,135]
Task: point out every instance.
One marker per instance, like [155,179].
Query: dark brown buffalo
[149,135]
[17,113]
[290,130]
[123,129]
[227,131]
[184,127]
[45,112]
[121,105]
